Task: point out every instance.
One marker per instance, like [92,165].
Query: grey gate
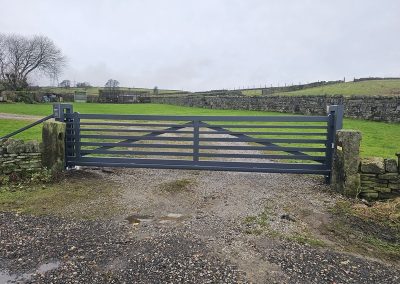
[273,144]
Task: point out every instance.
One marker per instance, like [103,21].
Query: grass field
[10,125]
[379,138]
[370,88]
[376,87]
[252,92]
[95,90]
[46,109]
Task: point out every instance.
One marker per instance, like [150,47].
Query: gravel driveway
[191,227]
[19,116]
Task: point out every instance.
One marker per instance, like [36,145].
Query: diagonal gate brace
[152,134]
[203,124]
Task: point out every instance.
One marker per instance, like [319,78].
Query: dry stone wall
[22,158]
[380,178]
[379,108]
[369,178]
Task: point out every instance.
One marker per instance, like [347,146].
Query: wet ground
[194,227]
[19,116]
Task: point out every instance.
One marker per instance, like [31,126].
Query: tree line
[111,84]
[24,56]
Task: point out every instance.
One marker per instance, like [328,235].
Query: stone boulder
[14,146]
[373,165]
[391,165]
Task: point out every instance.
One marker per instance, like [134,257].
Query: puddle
[18,278]
[174,215]
[48,266]
[137,219]
[14,278]
[171,217]
[7,278]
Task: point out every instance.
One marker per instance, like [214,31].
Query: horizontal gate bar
[269,126]
[216,125]
[136,124]
[136,130]
[112,145]
[239,139]
[134,137]
[123,152]
[204,132]
[204,118]
[265,133]
[199,163]
[215,147]
[208,167]
[273,140]
[211,155]
[263,148]
[260,156]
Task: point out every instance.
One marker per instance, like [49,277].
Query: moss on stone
[53,136]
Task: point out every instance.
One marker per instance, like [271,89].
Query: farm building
[122,96]
[80,97]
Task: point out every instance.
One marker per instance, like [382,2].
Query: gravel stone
[195,235]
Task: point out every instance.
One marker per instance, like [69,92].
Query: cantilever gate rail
[273,144]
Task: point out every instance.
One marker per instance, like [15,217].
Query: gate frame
[64,113]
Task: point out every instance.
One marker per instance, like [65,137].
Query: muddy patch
[171,218]
[137,219]
[176,186]
[167,219]
[357,234]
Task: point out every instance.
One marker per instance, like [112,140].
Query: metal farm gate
[270,144]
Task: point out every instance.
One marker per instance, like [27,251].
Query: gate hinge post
[196,140]
[60,110]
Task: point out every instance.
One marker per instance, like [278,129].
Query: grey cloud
[210,44]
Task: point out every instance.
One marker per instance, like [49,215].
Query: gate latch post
[59,111]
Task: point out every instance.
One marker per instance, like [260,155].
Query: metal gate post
[59,112]
[77,138]
[338,112]
[335,123]
[196,140]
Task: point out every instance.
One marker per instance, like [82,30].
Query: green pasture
[379,138]
[95,90]
[10,125]
[369,88]
[161,109]
[252,92]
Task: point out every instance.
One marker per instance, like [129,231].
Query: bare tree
[83,85]
[21,56]
[65,84]
[112,84]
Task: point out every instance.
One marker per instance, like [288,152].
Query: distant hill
[95,90]
[362,86]
[367,87]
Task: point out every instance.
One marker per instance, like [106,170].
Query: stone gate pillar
[346,161]
[53,139]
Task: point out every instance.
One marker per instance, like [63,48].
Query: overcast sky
[214,44]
